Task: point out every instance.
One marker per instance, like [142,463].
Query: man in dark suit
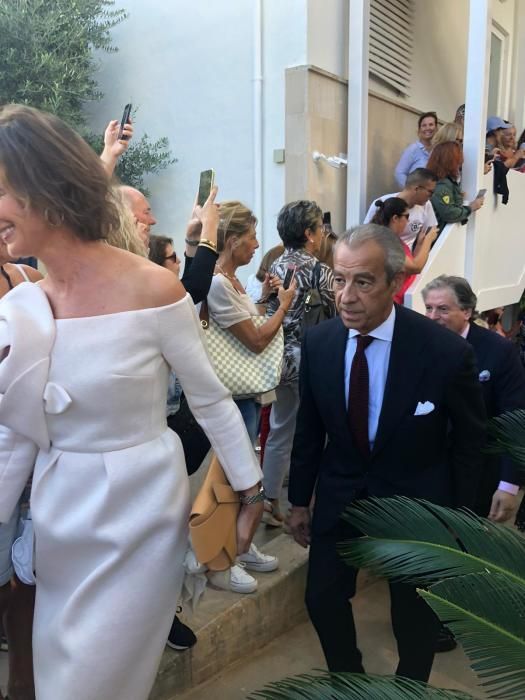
[383,393]
[451,302]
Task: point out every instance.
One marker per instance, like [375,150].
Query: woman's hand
[208,214]
[247,522]
[286,296]
[432,234]
[477,203]
[112,144]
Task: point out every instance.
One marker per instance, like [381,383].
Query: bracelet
[192,244]
[256,498]
[209,243]
[205,245]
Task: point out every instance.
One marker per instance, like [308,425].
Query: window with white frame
[391,42]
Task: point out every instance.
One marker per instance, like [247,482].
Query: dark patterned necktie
[358,396]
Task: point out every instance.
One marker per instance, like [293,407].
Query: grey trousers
[279,444]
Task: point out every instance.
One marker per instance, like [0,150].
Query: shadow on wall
[391,127]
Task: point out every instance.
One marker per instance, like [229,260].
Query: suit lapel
[404,371]
[334,380]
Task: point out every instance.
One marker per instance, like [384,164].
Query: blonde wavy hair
[451,131]
[235,220]
[125,234]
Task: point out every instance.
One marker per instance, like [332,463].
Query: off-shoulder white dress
[110,497]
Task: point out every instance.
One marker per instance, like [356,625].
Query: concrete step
[298,651]
[229,626]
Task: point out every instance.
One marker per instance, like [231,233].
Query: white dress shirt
[378,358]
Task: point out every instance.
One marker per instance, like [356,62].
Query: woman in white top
[87,353]
[228,303]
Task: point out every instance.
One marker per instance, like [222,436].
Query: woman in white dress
[83,390]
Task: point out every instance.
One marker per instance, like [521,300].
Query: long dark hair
[393,206]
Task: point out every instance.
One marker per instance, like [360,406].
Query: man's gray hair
[385,239]
[460,288]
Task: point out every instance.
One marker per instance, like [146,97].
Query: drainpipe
[359,28]
[257,122]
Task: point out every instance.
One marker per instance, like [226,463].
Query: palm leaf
[421,542]
[507,435]
[487,614]
[353,686]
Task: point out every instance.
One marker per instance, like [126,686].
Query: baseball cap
[494,123]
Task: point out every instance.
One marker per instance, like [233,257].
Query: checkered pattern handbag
[243,372]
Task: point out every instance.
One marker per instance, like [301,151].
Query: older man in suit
[451,302]
[390,405]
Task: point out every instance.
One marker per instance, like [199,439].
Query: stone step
[229,625]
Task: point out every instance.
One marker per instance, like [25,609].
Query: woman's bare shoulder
[154,285]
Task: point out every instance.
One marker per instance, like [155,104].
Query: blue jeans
[250,412]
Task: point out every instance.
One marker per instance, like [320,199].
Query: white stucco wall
[189,68]
[328,36]
[440,54]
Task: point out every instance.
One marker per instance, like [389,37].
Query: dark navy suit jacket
[435,456]
[502,380]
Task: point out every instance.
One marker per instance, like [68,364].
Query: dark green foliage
[352,686]
[47,57]
[47,60]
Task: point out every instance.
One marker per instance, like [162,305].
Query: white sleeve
[210,402]
[430,215]
[17,460]
[370,213]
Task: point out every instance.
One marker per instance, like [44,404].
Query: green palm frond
[352,686]
[487,614]
[421,542]
[507,435]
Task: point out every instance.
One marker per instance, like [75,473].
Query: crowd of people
[110,399]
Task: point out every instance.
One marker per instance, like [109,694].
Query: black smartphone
[205,184]
[290,274]
[481,193]
[125,120]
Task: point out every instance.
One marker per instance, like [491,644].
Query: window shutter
[391,42]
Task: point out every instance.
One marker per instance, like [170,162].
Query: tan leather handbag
[213,520]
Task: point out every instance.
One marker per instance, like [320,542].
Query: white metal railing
[494,260]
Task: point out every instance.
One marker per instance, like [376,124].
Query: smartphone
[429,229]
[125,120]
[290,274]
[205,184]
[481,193]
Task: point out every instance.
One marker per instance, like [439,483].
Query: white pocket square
[422,409]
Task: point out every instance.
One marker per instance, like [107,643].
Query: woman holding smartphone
[393,213]
[87,353]
[445,162]
[300,226]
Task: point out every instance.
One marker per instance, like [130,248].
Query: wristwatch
[256,498]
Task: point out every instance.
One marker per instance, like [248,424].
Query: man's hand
[503,507]
[298,521]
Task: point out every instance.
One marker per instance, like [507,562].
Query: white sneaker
[235,579]
[254,560]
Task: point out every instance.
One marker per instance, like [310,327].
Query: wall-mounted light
[340,161]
